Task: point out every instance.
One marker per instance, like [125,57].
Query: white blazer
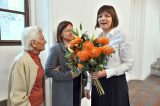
[23,72]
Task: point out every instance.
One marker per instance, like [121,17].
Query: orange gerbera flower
[83,55]
[75,42]
[95,52]
[80,66]
[102,40]
[88,45]
[106,50]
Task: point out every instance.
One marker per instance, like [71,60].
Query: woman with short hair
[26,82]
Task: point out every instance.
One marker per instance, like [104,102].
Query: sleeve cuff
[110,73]
[88,86]
[89,83]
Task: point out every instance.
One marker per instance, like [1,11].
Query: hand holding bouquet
[89,54]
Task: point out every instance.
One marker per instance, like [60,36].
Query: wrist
[104,73]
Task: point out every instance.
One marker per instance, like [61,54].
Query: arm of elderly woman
[18,88]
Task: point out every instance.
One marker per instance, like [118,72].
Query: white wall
[6,57]
[85,11]
[137,33]
[145,30]
[151,49]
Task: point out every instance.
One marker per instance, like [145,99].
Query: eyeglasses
[67,30]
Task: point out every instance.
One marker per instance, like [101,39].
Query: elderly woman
[26,84]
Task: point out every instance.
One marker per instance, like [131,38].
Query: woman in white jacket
[26,82]
[113,78]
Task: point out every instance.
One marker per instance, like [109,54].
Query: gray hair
[29,34]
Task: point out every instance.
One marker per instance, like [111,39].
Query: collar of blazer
[26,57]
[33,67]
[63,47]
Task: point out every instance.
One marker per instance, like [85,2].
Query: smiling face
[106,18]
[67,34]
[105,21]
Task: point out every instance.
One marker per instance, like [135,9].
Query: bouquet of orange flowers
[88,54]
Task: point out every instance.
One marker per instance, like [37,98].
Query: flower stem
[98,86]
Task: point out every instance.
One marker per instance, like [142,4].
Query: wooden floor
[142,93]
[145,93]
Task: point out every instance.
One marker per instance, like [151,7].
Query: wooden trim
[10,42]
[26,21]
[26,5]
[11,11]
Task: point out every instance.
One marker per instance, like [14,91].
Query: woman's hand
[99,74]
[57,68]
[74,74]
[87,93]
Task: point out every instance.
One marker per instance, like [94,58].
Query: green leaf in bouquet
[92,62]
[101,66]
[96,68]
[105,62]
[75,32]
[100,58]
[75,69]
[68,55]
[92,37]
[77,60]
[86,67]
[80,46]
[109,56]
[70,65]
[80,26]
[84,34]
[70,50]
[98,44]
